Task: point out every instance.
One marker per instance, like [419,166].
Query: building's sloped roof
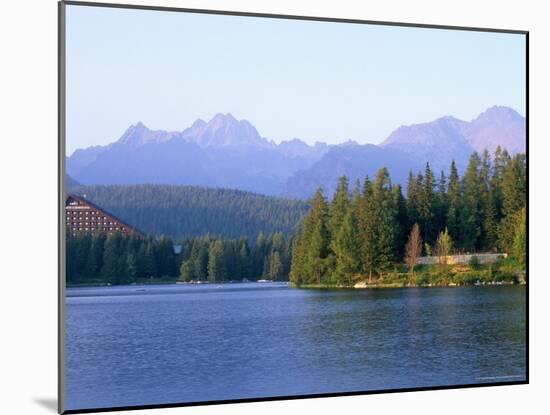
[93,205]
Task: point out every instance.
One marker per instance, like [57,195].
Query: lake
[141,345]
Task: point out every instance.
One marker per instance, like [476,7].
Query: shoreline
[172,282]
[375,286]
[358,286]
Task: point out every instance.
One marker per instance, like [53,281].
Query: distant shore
[171,282]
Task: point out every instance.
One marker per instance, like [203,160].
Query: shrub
[423,279]
[474,262]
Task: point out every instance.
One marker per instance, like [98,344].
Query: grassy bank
[499,273]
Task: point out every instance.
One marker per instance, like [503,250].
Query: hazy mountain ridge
[226,152]
[448,138]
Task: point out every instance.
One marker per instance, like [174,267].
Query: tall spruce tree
[413,194]
[112,270]
[441,203]
[346,248]
[384,223]
[487,204]
[401,220]
[426,206]
[216,264]
[367,230]
[519,244]
[312,245]
[454,196]
[514,199]
[339,205]
[470,221]
[500,162]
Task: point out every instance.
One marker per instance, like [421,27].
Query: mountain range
[230,153]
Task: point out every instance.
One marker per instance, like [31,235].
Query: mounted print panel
[258,207]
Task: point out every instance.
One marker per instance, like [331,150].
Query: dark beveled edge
[291,17]
[293,397]
[62,190]
[61,178]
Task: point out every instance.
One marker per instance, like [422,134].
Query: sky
[318,81]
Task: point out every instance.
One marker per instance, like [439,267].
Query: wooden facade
[82,216]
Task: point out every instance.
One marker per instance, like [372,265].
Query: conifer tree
[339,205]
[320,238]
[413,193]
[275,266]
[186,271]
[454,195]
[441,203]
[130,270]
[401,220]
[487,204]
[470,223]
[149,261]
[346,248]
[244,258]
[426,205]
[312,245]
[519,245]
[199,258]
[384,221]
[216,265]
[514,199]
[111,259]
[95,257]
[501,160]
[367,231]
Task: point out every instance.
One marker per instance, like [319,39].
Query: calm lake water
[139,345]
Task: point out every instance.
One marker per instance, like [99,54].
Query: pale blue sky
[317,81]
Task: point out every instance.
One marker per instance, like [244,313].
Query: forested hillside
[182,212]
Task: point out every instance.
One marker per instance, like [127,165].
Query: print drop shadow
[48,403]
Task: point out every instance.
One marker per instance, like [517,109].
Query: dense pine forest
[365,232]
[187,211]
[212,259]
[116,259]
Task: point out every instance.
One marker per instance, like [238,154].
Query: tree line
[216,259]
[119,259]
[365,231]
